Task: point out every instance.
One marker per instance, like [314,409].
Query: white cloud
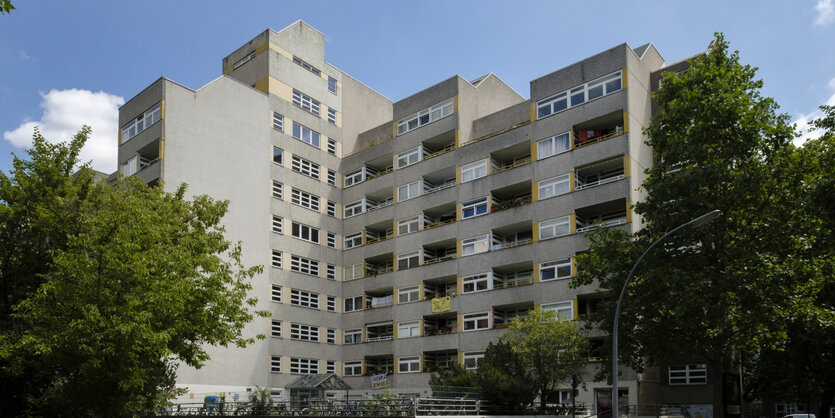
[24,56]
[65,111]
[826,12]
[803,121]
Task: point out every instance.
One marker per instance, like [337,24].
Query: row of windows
[578,95]
[302,198]
[303,332]
[303,298]
[305,134]
[425,117]
[141,123]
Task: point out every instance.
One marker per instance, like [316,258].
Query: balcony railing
[513,283]
[512,165]
[580,186]
[445,150]
[500,205]
[379,173]
[439,187]
[578,144]
[380,238]
[439,259]
[379,205]
[441,223]
[503,245]
[380,338]
[374,271]
[605,224]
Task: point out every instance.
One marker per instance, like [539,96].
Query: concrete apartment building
[400,237]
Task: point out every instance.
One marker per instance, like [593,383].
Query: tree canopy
[732,288]
[105,288]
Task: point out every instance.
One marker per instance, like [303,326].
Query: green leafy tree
[503,379]
[453,381]
[6,6]
[103,289]
[549,350]
[726,289]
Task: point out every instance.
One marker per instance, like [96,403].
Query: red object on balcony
[583,136]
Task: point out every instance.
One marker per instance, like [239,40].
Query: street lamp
[690,224]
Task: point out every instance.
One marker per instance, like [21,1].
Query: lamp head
[707,217]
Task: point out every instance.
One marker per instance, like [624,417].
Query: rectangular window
[408,365]
[475,245]
[305,200]
[554,186]
[332,177]
[331,240]
[408,260]
[276,328]
[554,228]
[554,145]
[353,304]
[330,337]
[330,367]
[354,177]
[555,270]
[476,321]
[278,155]
[579,95]
[331,208]
[304,265]
[305,299]
[331,84]
[275,296]
[408,329]
[306,66]
[688,374]
[353,240]
[275,364]
[330,272]
[306,167]
[409,157]
[355,271]
[473,171]
[564,310]
[407,226]
[307,233]
[243,60]
[353,368]
[278,224]
[304,332]
[408,191]
[331,146]
[331,304]
[354,208]
[332,116]
[353,336]
[278,122]
[143,122]
[477,282]
[304,366]
[305,134]
[306,103]
[472,358]
[276,259]
[425,116]
[408,294]
[474,208]
[278,190]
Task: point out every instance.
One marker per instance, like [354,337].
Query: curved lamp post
[690,224]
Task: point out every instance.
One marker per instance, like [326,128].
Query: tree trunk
[826,402]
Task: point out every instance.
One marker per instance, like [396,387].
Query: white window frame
[408,294]
[275,328]
[352,336]
[477,283]
[408,329]
[301,332]
[555,267]
[304,64]
[408,226]
[278,122]
[275,293]
[354,208]
[575,96]
[555,186]
[411,259]
[553,228]
[352,368]
[305,134]
[564,310]
[331,240]
[476,321]
[472,358]
[687,374]
[304,366]
[554,145]
[305,232]
[331,177]
[278,224]
[354,178]
[278,190]
[304,199]
[353,272]
[141,123]
[332,86]
[304,265]
[331,146]
[275,364]
[330,272]
[425,117]
[353,240]
[332,116]
[475,245]
[306,102]
[409,157]
[304,299]
[473,171]
[275,259]
[306,167]
[408,365]
[331,303]
[331,208]
[408,191]
[355,302]
[475,207]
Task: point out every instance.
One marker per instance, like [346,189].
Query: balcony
[511,157]
[439,180]
[380,331]
[598,129]
[379,199]
[510,236]
[504,314]
[439,359]
[379,231]
[438,145]
[513,275]
[438,252]
[439,215]
[603,215]
[372,169]
[598,174]
[440,324]
[379,364]
[511,196]
[380,264]
[379,298]
[144,160]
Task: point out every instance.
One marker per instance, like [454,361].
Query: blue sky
[66,63]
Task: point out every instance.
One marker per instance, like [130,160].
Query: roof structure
[329,381]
